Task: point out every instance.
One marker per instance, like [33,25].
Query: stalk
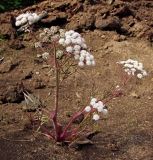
[54,118]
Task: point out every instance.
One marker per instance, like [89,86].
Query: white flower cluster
[51,34]
[133,67]
[98,106]
[76,46]
[29,18]
[44,55]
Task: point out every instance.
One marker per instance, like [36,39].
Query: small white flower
[78,41]
[18,23]
[84,52]
[38,44]
[23,20]
[75,35]
[92,103]
[140,76]
[45,55]
[59,53]
[89,63]
[93,99]
[77,48]
[88,54]
[130,65]
[140,65]
[129,61]
[71,32]
[101,104]
[73,41]
[144,73]
[62,34]
[91,57]
[68,41]
[76,53]
[84,46]
[80,64]
[69,49]
[117,87]
[100,109]
[105,111]
[93,63]
[39,55]
[61,41]
[19,17]
[67,34]
[36,18]
[129,73]
[95,105]
[46,30]
[96,117]
[126,70]
[133,69]
[30,18]
[87,109]
[76,57]
[121,62]
[88,58]
[81,58]
[26,15]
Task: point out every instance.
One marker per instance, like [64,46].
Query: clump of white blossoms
[48,35]
[51,34]
[96,107]
[76,46]
[133,67]
[29,18]
[72,41]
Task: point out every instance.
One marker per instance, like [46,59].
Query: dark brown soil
[113,32]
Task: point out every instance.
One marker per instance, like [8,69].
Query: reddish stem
[54,118]
[116,93]
[74,117]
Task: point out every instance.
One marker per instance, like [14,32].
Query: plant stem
[56,95]
[57,82]
[74,117]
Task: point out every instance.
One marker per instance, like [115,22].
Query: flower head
[87,109]
[96,117]
[76,45]
[96,107]
[133,67]
[29,18]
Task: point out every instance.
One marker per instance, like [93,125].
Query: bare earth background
[113,32]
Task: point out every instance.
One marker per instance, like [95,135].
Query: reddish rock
[111,23]
[81,21]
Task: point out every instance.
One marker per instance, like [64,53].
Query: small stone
[37,73]
[105,47]
[110,23]
[135,95]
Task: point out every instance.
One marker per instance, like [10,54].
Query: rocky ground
[113,31]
